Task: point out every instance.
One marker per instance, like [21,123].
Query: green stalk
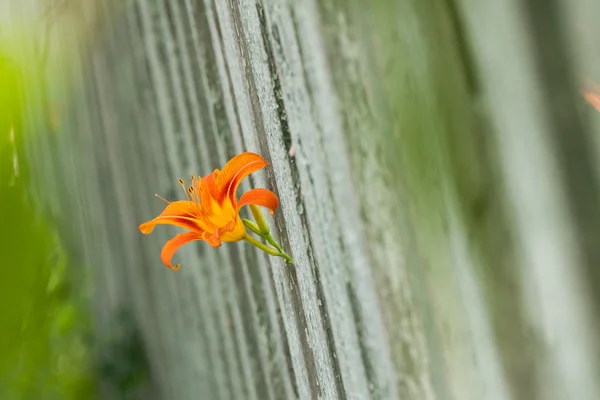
[260,219]
[267,249]
[273,243]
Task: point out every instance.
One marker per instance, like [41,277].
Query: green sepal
[252,226]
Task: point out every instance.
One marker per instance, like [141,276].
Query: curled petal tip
[174,244]
[146,228]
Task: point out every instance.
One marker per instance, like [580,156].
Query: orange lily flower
[211,209]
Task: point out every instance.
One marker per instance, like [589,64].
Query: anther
[184,190]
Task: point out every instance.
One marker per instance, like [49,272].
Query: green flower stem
[261,224]
[260,220]
[267,249]
[273,243]
[287,258]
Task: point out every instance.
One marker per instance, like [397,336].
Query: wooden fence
[437,173]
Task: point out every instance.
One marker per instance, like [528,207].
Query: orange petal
[260,197]
[207,190]
[592,98]
[218,210]
[183,214]
[174,244]
[214,240]
[236,169]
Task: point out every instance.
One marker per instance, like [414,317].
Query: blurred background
[437,169]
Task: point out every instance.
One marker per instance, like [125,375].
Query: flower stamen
[182,183]
[162,198]
[194,197]
[193,185]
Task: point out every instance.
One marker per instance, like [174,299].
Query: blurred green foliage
[44,329]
